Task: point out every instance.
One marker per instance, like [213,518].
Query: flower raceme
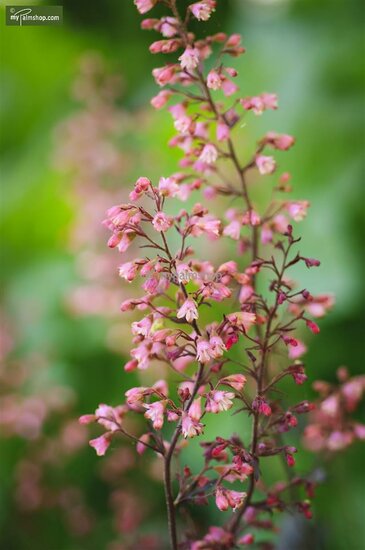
[227,358]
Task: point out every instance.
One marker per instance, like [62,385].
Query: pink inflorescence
[227,342]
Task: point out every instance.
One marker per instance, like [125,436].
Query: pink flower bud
[313,327]
[141,447]
[222,131]
[87,418]
[247,539]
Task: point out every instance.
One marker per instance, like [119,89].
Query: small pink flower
[207,224]
[222,131]
[283,142]
[209,154]
[101,444]
[164,75]
[297,210]
[214,80]
[168,26]
[162,222]
[313,327]
[229,88]
[142,327]
[247,539]
[251,218]
[141,447]
[243,319]
[235,499]
[294,352]
[217,346]
[161,99]
[188,310]
[202,10]
[261,406]
[233,230]
[87,418]
[155,413]
[128,271]
[168,187]
[189,60]
[204,351]
[236,381]
[190,427]
[270,101]
[219,401]
[135,395]
[143,6]
[221,500]
[265,165]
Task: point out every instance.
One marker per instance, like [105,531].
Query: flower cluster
[331,427]
[236,359]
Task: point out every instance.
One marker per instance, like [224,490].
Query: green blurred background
[312,54]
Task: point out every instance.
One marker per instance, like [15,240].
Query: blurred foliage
[311,54]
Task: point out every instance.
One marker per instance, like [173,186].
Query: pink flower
[247,539]
[204,351]
[297,210]
[217,346]
[218,401]
[141,447]
[260,405]
[221,500]
[135,395]
[101,444]
[236,381]
[168,187]
[168,26]
[214,80]
[265,165]
[259,104]
[162,222]
[283,142]
[87,418]
[128,271]
[164,75]
[296,351]
[209,154]
[251,218]
[229,88]
[165,46]
[233,230]
[225,499]
[207,224]
[189,60]
[108,417]
[270,101]
[243,319]
[142,327]
[202,10]
[155,413]
[313,327]
[189,427]
[188,310]
[143,6]
[140,187]
[161,99]
[222,131]
[195,410]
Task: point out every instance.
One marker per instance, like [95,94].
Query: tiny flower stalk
[178,290]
